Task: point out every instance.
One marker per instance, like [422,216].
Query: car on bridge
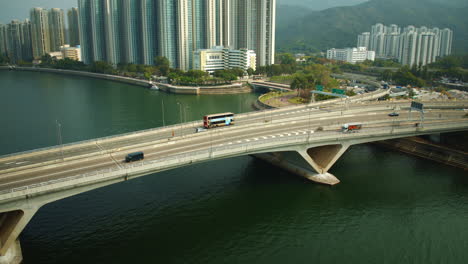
[134,156]
[393,114]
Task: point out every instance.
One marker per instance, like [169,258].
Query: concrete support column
[310,163]
[13,255]
[11,225]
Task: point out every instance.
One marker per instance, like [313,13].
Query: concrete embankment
[219,89]
[109,77]
[234,88]
[428,150]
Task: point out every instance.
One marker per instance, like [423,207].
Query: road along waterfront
[389,206]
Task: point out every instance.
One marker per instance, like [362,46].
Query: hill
[338,27]
[321,4]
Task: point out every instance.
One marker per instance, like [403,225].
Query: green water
[389,207]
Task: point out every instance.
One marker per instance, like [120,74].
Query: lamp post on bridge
[59,137]
[162,110]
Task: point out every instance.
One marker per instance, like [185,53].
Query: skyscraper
[415,46]
[149,32]
[15,50]
[40,32]
[16,39]
[364,40]
[73,26]
[56,29]
[3,40]
[26,40]
[446,36]
[122,31]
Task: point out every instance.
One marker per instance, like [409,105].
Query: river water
[388,208]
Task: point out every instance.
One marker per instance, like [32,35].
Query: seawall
[220,89]
[428,150]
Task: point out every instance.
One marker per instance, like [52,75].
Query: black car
[393,114]
[134,156]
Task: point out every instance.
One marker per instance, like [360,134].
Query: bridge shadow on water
[245,210]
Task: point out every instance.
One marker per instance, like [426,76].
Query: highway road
[99,154]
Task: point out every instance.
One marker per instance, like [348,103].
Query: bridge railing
[230,150]
[92,141]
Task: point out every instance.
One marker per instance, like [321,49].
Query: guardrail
[229,150]
[199,122]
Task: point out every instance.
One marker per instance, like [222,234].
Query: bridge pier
[13,255]
[310,163]
[12,224]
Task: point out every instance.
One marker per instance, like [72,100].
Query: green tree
[101,67]
[285,58]
[250,71]
[163,64]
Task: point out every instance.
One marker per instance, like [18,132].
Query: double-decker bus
[216,120]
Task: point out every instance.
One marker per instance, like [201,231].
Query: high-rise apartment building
[56,29]
[40,32]
[15,49]
[412,46]
[26,40]
[15,41]
[3,40]
[122,31]
[364,40]
[73,27]
[445,36]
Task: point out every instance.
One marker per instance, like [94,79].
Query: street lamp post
[59,137]
[162,110]
[180,118]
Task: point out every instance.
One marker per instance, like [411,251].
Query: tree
[163,64]
[101,67]
[132,67]
[46,60]
[4,60]
[250,71]
[285,58]
[238,72]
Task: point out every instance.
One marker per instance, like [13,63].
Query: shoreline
[236,88]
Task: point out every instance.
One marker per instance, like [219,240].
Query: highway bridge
[306,140]
[272,86]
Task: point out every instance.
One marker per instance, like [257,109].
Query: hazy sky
[19,9]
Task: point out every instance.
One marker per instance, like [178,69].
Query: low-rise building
[220,58]
[73,53]
[56,54]
[351,55]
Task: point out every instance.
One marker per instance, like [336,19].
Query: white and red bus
[351,127]
[216,120]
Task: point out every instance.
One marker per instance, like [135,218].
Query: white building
[220,58]
[364,40]
[411,46]
[351,55]
[73,53]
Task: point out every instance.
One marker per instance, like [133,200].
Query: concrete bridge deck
[306,140]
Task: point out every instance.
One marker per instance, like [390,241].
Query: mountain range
[300,29]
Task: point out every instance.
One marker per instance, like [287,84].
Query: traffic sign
[319,87]
[338,91]
[417,106]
